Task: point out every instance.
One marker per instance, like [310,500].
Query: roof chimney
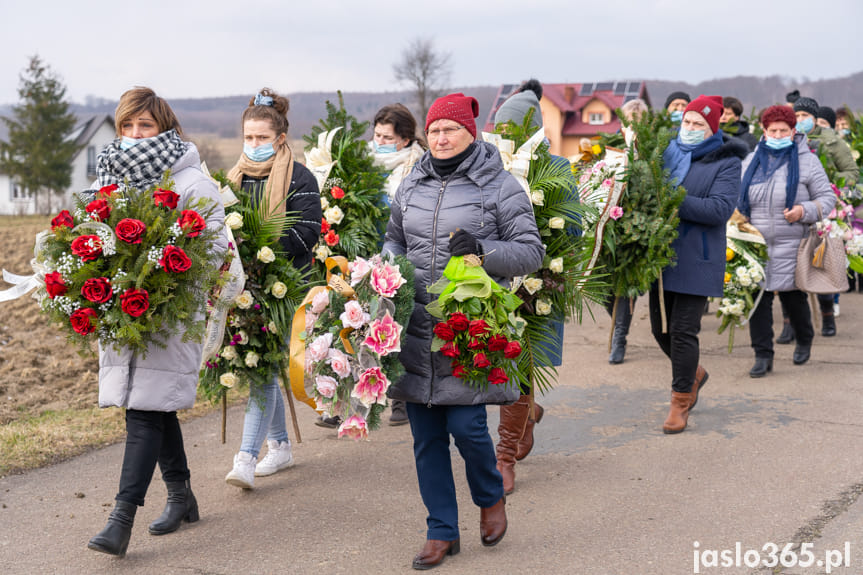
[568,93]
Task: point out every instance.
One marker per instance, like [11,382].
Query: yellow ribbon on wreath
[297,348]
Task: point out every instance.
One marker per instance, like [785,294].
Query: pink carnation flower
[372,387]
[359,268]
[384,335]
[616,212]
[320,348]
[354,316]
[326,385]
[387,279]
[339,362]
[354,427]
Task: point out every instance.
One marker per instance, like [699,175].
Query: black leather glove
[462,243]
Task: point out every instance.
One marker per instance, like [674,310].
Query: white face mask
[690,137]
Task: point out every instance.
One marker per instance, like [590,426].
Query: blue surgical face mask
[778,143]
[385,149]
[690,137]
[260,154]
[845,131]
[127,142]
[806,125]
[677,116]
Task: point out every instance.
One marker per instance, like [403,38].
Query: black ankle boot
[761,367]
[114,538]
[828,324]
[787,335]
[181,505]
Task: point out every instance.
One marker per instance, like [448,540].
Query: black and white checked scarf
[144,164]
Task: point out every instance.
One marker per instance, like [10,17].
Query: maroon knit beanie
[778,114]
[710,107]
[456,107]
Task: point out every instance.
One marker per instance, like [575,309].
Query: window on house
[17,191]
[91,161]
[596,118]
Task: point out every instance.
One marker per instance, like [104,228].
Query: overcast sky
[230,47]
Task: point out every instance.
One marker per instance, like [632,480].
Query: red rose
[87,248]
[337,192]
[458,369]
[63,219]
[481,361]
[175,260]
[166,198]
[54,284]
[135,302]
[325,226]
[444,332]
[191,222]
[458,321]
[512,350]
[82,320]
[106,191]
[332,238]
[497,376]
[477,327]
[97,290]
[99,209]
[450,349]
[476,344]
[130,230]
[497,343]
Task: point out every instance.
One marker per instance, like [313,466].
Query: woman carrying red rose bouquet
[151,386]
[458,200]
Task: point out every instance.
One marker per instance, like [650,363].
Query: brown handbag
[821,263]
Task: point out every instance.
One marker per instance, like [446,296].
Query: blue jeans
[265,417]
[431,428]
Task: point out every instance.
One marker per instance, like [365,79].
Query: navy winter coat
[712,186]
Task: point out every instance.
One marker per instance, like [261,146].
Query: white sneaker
[836,310]
[278,457]
[243,473]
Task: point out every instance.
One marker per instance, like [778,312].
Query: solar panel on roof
[586,90]
[633,88]
[619,88]
[605,86]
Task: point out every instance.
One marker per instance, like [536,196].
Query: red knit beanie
[456,107]
[710,107]
[778,114]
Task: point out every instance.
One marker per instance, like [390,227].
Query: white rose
[228,352]
[234,220]
[556,223]
[244,300]
[543,307]
[271,327]
[556,265]
[324,203]
[334,215]
[322,252]
[279,290]
[537,197]
[252,359]
[244,337]
[745,281]
[266,255]
[532,285]
[228,379]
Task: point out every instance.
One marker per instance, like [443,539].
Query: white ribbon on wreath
[516,162]
[733,232]
[24,284]
[319,160]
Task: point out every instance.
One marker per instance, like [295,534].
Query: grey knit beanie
[515,108]
[808,105]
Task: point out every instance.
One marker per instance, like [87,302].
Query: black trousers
[761,323]
[151,437]
[683,314]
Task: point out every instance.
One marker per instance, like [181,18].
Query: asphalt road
[764,462]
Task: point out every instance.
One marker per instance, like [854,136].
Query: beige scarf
[279,171]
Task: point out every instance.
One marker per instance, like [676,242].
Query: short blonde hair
[633,108]
[141,99]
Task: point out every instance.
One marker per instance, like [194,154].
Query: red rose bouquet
[479,330]
[128,267]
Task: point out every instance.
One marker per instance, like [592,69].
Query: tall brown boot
[678,414]
[526,442]
[513,419]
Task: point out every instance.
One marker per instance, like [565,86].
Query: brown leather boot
[701,377]
[678,414]
[492,523]
[513,419]
[434,552]
[526,442]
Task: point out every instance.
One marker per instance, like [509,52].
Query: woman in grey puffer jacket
[782,182]
[458,200]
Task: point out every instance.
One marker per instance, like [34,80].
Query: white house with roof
[91,134]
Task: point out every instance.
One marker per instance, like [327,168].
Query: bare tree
[426,69]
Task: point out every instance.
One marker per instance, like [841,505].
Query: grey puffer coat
[485,200]
[767,202]
[166,380]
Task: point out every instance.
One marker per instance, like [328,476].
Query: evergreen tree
[38,154]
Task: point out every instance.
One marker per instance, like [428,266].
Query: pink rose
[387,279]
[354,427]
[359,268]
[616,212]
[320,301]
[372,387]
[326,385]
[339,362]
[354,316]
[320,347]
[384,335]
[311,318]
